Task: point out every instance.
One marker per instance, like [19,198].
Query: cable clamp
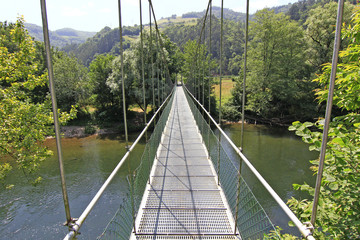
[71,224]
[309,226]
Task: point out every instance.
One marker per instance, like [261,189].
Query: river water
[28,212]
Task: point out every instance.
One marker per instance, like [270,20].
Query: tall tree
[71,82]
[277,83]
[99,70]
[320,28]
[195,69]
[24,124]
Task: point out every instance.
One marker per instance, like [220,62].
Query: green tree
[339,205]
[277,84]
[195,69]
[99,70]
[72,84]
[114,81]
[320,28]
[24,124]
[157,63]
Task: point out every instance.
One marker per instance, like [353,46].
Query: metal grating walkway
[183,199]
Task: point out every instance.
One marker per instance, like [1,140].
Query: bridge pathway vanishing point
[183,199]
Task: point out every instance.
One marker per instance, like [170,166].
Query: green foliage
[156,66]
[277,83]
[338,208]
[24,124]
[347,84]
[233,39]
[99,71]
[90,129]
[277,234]
[320,28]
[72,84]
[230,113]
[195,69]
[340,188]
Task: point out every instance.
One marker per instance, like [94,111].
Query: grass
[227,85]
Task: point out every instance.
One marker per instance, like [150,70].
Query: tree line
[25,107]
[286,52]
[287,61]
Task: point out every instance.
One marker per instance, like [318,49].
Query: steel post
[55,110]
[328,109]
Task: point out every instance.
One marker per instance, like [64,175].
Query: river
[28,212]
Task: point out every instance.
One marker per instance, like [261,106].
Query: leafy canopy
[24,124]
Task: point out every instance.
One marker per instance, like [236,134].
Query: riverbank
[81,131]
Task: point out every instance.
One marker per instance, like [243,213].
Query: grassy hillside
[165,22]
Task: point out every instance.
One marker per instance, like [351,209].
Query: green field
[179,20]
[227,84]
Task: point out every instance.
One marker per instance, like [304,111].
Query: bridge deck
[183,199]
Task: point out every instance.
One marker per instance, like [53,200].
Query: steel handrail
[78,223]
[302,228]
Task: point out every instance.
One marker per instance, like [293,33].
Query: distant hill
[232,15]
[61,37]
[86,46]
[105,41]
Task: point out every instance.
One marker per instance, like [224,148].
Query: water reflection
[280,157]
[28,212]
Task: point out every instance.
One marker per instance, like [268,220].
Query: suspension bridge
[186,185]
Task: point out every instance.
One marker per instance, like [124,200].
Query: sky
[93,15]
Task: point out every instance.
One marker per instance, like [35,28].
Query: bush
[90,129]
[230,113]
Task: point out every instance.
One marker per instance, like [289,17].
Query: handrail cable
[69,220]
[328,109]
[75,229]
[301,227]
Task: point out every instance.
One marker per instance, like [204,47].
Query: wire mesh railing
[122,224]
[252,221]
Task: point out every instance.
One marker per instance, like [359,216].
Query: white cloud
[73,12]
[90,4]
[133,3]
[105,10]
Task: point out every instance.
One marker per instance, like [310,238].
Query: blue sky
[93,15]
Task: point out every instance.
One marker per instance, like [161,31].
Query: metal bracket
[309,226]
[70,224]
